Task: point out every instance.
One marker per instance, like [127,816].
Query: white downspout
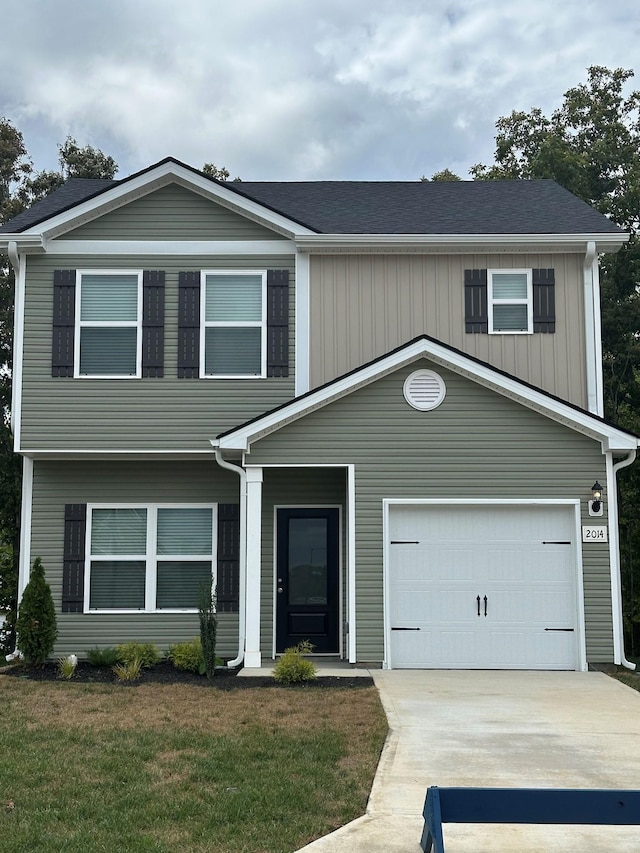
[223,463]
[614,554]
[590,329]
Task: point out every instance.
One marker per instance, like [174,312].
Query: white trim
[155,178]
[451,243]
[610,437]
[387,503]
[18,353]
[614,562]
[252,655]
[150,557]
[302,324]
[24,565]
[217,324]
[107,324]
[527,301]
[241,248]
[99,452]
[340,626]
[351,560]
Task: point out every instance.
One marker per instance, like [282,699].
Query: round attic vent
[424,390]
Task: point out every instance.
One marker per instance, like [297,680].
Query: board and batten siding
[363,306]
[136,414]
[59,483]
[476,444]
[294,487]
[172,213]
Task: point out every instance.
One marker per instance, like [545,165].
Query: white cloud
[278,89]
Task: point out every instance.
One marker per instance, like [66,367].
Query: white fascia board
[459,243]
[610,437]
[151,180]
[171,247]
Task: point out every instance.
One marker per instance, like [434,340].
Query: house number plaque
[593,533]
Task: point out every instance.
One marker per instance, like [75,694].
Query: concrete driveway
[497,729]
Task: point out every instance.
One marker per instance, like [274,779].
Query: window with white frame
[108,340]
[234,333]
[148,558]
[510,297]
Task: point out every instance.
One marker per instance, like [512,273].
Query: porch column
[252,656]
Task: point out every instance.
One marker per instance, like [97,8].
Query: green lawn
[180,768]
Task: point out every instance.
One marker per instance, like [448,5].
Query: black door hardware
[478,600]
[405,629]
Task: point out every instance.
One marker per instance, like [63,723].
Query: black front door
[307,579]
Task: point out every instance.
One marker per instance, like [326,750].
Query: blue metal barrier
[524,805]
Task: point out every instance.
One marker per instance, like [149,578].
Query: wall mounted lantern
[595,504]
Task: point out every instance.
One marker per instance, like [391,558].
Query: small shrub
[36,625]
[67,666]
[188,656]
[208,629]
[292,668]
[148,654]
[129,671]
[105,656]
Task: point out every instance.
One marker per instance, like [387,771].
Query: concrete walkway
[497,729]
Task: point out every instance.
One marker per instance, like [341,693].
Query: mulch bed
[166,673]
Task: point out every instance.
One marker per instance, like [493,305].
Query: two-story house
[370,412]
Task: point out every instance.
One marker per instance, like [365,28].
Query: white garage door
[482,587]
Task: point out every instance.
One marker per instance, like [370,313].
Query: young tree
[591,146]
[36,625]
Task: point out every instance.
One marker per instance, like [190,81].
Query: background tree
[20,187]
[591,146]
[220,174]
[442,175]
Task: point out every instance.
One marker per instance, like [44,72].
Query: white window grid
[151,558]
[80,324]
[528,301]
[207,324]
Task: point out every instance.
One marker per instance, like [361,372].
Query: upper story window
[108,341]
[234,324]
[510,301]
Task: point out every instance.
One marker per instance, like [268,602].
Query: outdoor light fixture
[595,505]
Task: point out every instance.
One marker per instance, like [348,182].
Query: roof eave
[460,243]
[26,243]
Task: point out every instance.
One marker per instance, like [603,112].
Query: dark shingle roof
[386,207]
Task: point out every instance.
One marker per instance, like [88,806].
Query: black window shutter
[75,526]
[188,325]
[544,300]
[64,314]
[476,316]
[277,322]
[153,323]
[227,588]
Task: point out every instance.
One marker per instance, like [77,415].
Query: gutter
[590,259]
[242,615]
[614,556]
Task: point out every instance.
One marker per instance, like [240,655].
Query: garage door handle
[485,605]
[559,629]
[405,629]
[478,600]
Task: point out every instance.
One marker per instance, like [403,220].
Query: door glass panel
[308,561]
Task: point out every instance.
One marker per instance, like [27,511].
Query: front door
[307,589]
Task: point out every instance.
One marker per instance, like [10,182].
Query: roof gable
[611,437]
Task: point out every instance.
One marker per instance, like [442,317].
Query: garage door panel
[497,552]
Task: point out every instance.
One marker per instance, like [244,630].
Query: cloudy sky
[295,89]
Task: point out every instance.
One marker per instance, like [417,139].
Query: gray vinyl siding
[136,414]
[58,483]
[477,444]
[172,213]
[363,306]
[288,487]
